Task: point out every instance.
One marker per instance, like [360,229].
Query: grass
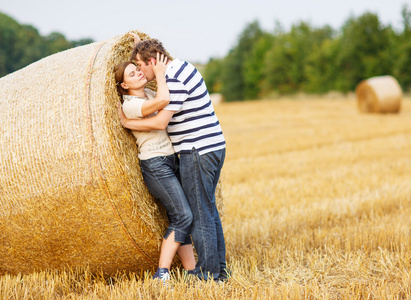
[317,206]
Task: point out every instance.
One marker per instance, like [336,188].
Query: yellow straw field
[317,205]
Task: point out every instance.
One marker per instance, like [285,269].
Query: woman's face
[134,79]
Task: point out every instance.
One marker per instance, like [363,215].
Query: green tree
[21,45]
[254,66]
[56,42]
[299,44]
[278,59]
[9,30]
[403,54]
[234,87]
[320,69]
[81,42]
[231,76]
[311,59]
[365,44]
[29,46]
[285,62]
[212,75]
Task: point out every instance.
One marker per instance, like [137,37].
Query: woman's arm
[158,122]
[162,98]
[136,38]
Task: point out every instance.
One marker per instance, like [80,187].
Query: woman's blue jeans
[199,178]
[162,178]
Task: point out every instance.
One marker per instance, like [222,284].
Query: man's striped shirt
[194,123]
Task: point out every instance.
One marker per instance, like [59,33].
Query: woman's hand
[136,38]
[159,65]
[121,115]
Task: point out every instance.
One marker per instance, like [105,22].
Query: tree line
[265,64]
[20,45]
[312,59]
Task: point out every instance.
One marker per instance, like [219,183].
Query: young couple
[181,150]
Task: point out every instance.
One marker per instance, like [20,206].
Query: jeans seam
[198,201]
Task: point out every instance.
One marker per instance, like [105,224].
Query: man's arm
[162,98]
[158,122]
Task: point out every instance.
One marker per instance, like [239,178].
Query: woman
[158,161]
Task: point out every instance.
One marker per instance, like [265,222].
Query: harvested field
[317,205]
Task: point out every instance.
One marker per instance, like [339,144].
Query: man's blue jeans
[199,178]
[162,179]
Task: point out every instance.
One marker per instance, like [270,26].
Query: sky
[193,30]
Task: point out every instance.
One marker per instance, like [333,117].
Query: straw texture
[72,194]
[381,94]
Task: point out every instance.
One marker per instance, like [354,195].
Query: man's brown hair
[147,49]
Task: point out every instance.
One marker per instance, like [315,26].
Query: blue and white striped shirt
[194,123]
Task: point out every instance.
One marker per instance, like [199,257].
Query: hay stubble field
[317,199]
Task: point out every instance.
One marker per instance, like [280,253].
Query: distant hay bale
[72,194]
[381,94]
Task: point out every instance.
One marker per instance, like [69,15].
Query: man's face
[147,69]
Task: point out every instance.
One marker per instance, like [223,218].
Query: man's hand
[159,65]
[121,115]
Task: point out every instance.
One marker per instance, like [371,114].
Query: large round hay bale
[72,194]
[381,94]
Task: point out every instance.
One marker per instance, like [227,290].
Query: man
[197,137]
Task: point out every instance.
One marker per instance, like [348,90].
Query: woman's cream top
[150,143]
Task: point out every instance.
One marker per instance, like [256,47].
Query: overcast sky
[194,30]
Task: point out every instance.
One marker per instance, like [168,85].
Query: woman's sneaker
[162,274]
